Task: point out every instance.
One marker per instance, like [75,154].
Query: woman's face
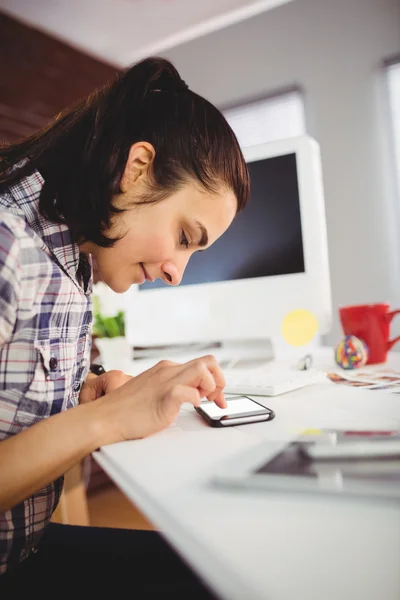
[159,239]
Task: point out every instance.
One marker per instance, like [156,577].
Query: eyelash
[184,241]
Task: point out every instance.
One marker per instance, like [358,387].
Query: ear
[141,155]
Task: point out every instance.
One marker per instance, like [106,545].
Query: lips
[146,273]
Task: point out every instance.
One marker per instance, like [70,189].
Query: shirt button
[53,363]
[77,386]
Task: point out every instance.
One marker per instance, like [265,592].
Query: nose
[172,272]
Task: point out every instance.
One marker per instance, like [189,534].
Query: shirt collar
[56,237]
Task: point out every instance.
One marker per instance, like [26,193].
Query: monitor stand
[245,354]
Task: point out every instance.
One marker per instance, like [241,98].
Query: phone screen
[236,406]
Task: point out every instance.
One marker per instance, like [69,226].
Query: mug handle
[389,317]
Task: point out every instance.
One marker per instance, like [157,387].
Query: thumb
[92,389]
[177,395]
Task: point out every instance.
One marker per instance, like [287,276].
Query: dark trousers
[111,563]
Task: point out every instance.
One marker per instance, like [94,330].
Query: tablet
[295,466]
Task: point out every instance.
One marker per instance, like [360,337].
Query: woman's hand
[151,401]
[139,407]
[96,386]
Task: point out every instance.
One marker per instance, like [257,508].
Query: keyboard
[256,382]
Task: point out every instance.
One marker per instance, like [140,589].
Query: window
[267,120]
[393,73]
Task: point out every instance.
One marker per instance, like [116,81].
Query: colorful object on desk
[299,327]
[351,353]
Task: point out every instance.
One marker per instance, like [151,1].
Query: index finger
[211,363]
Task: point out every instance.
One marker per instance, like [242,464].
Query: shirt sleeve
[10,275]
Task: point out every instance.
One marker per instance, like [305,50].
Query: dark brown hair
[82,153]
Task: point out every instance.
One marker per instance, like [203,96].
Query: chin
[119,287]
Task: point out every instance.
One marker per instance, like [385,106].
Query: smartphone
[240,410]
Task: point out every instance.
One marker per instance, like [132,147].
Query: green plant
[107,326]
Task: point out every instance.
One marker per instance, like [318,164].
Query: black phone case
[217,422]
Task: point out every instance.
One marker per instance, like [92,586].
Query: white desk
[267,546]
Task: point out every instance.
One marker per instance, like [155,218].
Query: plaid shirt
[45,338]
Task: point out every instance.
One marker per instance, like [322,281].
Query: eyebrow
[204,235]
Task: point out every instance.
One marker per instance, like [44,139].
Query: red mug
[370,323]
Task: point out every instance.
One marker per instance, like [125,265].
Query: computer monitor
[272,260]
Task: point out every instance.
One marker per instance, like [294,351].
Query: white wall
[334,50]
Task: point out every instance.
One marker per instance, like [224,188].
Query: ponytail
[82,153]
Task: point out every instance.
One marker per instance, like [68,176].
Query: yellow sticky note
[307,431]
[312,432]
[299,327]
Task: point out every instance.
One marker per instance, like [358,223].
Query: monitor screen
[264,240]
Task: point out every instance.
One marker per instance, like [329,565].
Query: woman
[139,175]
